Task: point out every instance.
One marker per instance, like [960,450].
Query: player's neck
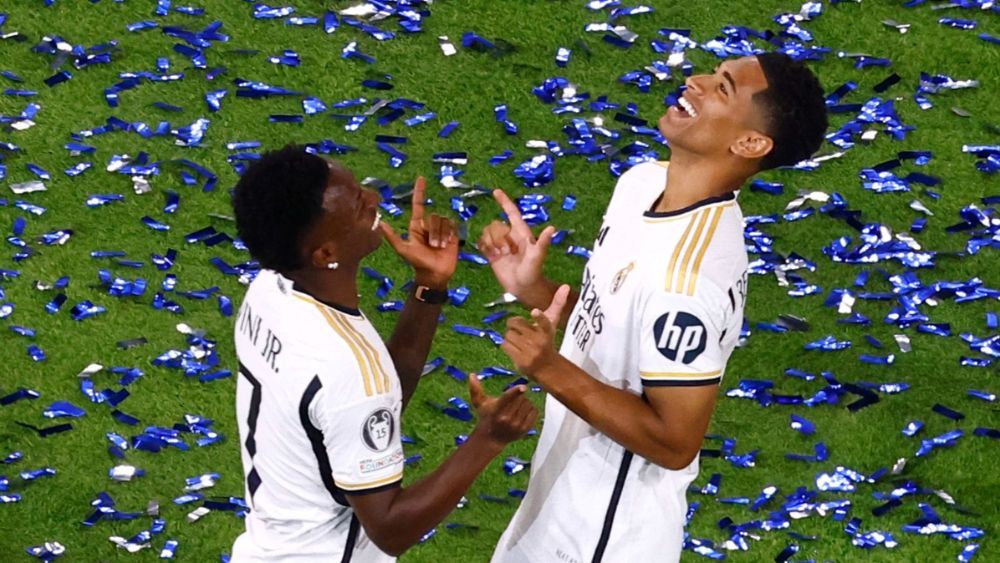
[338,286]
[691,179]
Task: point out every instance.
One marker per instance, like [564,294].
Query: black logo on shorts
[377,430]
[679,336]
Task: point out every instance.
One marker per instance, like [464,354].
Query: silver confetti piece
[904,343]
[123,473]
[197,513]
[910,241]
[126,545]
[183,328]
[90,370]
[846,305]
[805,197]
[447,47]
[22,124]
[782,278]
[945,497]
[900,27]
[141,185]
[28,187]
[362,10]
[918,205]
[117,163]
[899,466]
[505,299]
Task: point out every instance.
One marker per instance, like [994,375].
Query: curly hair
[794,109]
[278,198]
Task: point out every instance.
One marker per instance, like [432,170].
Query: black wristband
[430,296]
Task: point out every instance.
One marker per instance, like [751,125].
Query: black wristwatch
[430,296]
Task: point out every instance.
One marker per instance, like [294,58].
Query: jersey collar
[332,305]
[707,201]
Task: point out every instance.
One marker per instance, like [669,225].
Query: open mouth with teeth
[685,107]
[377,220]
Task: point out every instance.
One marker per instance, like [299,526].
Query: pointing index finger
[419,188]
[517,223]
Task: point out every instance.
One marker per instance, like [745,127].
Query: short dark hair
[278,198]
[794,109]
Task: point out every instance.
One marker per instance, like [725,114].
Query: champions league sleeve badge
[377,430]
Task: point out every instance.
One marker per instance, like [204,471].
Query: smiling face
[347,231]
[717,117]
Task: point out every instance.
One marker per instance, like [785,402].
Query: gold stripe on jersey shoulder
[358,356]
[364,361]
[716,215]
[671,267]
[678,374]
[378,372]
[682,268]
[373,484]
[386,381]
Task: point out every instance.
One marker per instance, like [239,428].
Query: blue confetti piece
[351,51]
[878,360]
[513,465]
[970,550]
[63,409]
[828,344]
[85,309]
[947,412]
[983,395]
[912,428]
[493,317]
[214,99]
[958,23]
[458,409]
[448,129]
[35,353]
[947,439]
[802,425]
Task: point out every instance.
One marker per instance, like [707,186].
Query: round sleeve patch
[378,429]
[679,336]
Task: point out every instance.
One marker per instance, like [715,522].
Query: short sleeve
[681,341]
[361,440]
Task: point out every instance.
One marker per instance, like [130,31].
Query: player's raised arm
[517,257]
[396,518]
[667,425]
[432,250]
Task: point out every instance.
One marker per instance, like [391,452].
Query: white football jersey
[661,304]
[318,404]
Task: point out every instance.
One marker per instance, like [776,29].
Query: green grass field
[466,87]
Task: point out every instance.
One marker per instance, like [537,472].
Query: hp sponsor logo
[679,336]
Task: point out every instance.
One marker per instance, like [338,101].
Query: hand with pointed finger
[531,344]
[432,245]
[514,253]
[505,418]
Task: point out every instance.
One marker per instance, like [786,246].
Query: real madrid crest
[619,278]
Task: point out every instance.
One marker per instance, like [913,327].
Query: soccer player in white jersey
[649,331]
[319,395]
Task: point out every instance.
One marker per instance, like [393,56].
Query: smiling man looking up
[657,315]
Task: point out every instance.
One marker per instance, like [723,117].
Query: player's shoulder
[699,250]
[357,364]
[644,171]
[636,185]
